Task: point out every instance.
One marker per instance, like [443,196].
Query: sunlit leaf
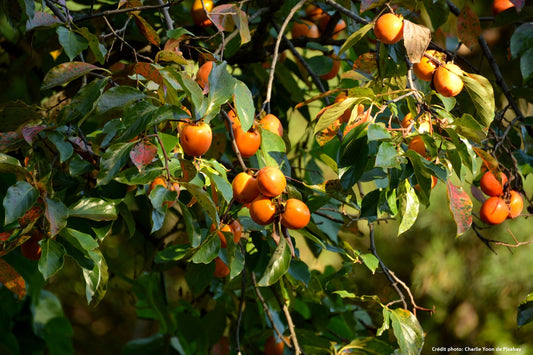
[51,260]
[142,154]
[482,95]
[355,37]
[94,209]
[416,39]
[407,331]
[409,207]
[460,206]
[148,71]
[244,104]
[72,43]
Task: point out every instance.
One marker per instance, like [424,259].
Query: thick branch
[169,21]
[125,10]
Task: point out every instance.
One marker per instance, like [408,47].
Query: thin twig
[346,12]
[276,53]
[169,21]
[125,10]
[290,323]
[233,142]
[241,303]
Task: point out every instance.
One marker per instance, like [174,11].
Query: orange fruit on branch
[417,144]
[199,14]
[494,210]
[271,123]
[336,64]
[339,26]
[196,138]
[262,210]
[296,214]
[274,345]
[305,29]
[221,269]
[407,120]
[202,76]
[245,188]
[501,5]
[490,185]
[248,142]
[447,80]
[389,28]
[426,67]
[235,123]
[313,12]
[516,204]
[234,228]
[271,181]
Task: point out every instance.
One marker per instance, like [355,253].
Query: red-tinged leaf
[366,63]
[416,39]
[222,16]
[142,154]
[460,206]
[490,162]
[188,170]
[30,132]
[41,19]
[328,133]
[149,72]
[7,247]
[519,4]
[56,213]
[8,140]
[147,30]
[11,279]
[66,72]
[468,27]
[370,4]
[363,117]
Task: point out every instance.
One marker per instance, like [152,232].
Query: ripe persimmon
[199,14]
[31,249]
[313,12]
[336,64]
[494,210]
[417,144]
[296,214]
[235,123]
[305,29]
[202,76]
[236,229]
[516,204]
[389,28]
[274,345]
[196,138]
[271,181]
[339,26]
[244,188]
[492,186]
[221,269]
[271,123]
[501,5]
[262,210]
[247,142]
[425,68]
[407,120]
[447,80]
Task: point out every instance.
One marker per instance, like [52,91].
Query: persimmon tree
[199,189]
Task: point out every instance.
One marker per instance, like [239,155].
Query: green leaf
[525,311]
[191,226]
[65,148]
[278,265]
[468,127]
[244,104]
[221,88]
[56,213]
[151,303]
[193,91]
[407,331]
[370,261]
[19,199]
[378,132]
[409,207]
[64,73]
[176,33]
[97,48]
[119,97]
[482,95]
[172,253]
[14,114]
[8,164]
[93,208]
[526,65]
[78,245]
[96,279]
[300,271]
[438,12]
[273,151]
[72,43]
[522,40]
[208,250]
[115,157]
[51,260]
[85,102]
[204,200]
[387,156]
[241,21]
[355,37]
[333,112]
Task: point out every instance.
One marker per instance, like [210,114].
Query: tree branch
[169,21]
[125,10]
